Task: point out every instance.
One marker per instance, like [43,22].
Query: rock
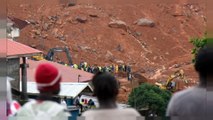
[155,57]
[46,26]
[124,88]
[21,5]
[55,31]
[94,50]
[31,21]
[59,22]
[176,66]
[75,56]
[72,3]
[53,18]
[44,36]
[84,47]
[138,33]
[61,26]
[75,49]
[155,38]
[37,32]
[32,35]
[109,55]
[33,46]
[118,24]
[81,19]
[145,22]
[61,37]
[93,14]
[119,61]
[139,77]
[66,14]
[71,20]
[123,33]
[119,48]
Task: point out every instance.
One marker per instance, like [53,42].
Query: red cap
[47,77]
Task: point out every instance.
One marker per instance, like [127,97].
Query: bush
[197,43]
[150,97]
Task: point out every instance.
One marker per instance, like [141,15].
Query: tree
[198,43]
[150,97]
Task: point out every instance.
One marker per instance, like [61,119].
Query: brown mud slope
[154,52]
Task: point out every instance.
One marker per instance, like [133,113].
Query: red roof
[15,49]
[68,74]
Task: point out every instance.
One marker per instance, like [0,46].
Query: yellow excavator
[38,57]
[170,84]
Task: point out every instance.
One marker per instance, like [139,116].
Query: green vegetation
[150,97]
[198,43]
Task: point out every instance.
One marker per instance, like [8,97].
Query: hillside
[153,51]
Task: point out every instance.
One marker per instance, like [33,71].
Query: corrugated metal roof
[67,89]
[69,74]
[14,49]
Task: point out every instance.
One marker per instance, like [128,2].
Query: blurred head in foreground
[204,64]
[106,89]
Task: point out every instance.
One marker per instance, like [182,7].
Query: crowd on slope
[194,103]
[95,68]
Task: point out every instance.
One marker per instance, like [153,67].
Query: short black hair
[105,86]
[204,61]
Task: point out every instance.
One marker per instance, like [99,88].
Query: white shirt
[191,104]
[46,110]
[111,114]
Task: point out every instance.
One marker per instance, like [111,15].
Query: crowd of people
[95,68]
[110,68]
[191,104]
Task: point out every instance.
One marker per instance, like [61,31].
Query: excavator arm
[51,53]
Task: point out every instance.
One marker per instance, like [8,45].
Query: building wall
[13,71]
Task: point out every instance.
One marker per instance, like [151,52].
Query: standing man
[48,80]
[106,90]
[195,103]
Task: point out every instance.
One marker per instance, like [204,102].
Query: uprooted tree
[151,98]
